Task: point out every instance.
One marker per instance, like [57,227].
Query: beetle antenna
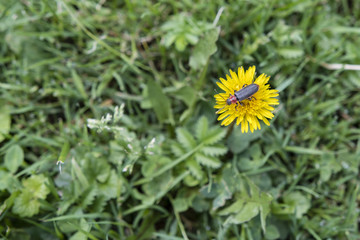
[219,110]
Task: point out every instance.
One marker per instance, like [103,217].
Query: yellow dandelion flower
[248,112]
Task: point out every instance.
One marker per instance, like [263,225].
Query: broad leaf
[160,102]
[36,184]
[111,188]
[180,204]
[27,203]
[252,159]
[239,141]
[204,49]
[223,195]
[328,166]
[299,201]
[4,121]
[248,206]
[14,157]
[247,212]
[187,94]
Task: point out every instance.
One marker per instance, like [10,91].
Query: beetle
[244,93]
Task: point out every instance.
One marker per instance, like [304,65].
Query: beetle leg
[237,104]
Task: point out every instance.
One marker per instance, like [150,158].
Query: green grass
[160,166]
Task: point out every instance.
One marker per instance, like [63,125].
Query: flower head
[248,111]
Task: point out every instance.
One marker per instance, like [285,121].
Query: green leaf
[79,174]
[247,212]
[181,43]
[87,197]
[199,204]
[214,135]
[15,40]
[111,188]
[350,161]
[233,208]
[4,179]
[79,84]
[303,150]
[204,49]
[252,159]
[160,102]
[82,235]
[191,181]
[14,157]
[36,184]
[185,115]
[169,39]
[191,38]
[214,150]
[152,165]
[232,178]
[222,195]
[8,202]
[158,185]
[102,171]
[195,169]
[5,121]
[328,166]
[187,94]
[99,203]
[272,233]
[207,160]
[145,103]
[239,141]
[248,206]
[177,149]
[299,201]
[266,199]
[201,128]
[64,152]
[291,52]
[26,205]
[185,138]
[182,29]
[180,204]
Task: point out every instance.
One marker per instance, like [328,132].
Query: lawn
[109,128]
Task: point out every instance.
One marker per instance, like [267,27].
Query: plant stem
[230,129]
